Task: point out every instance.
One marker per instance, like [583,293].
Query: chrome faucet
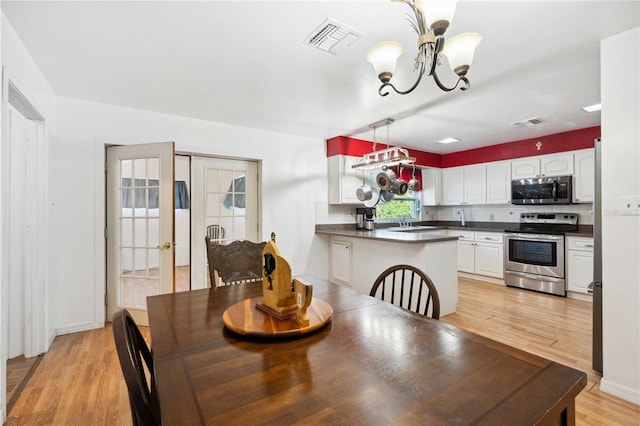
[462,223]
[405,221]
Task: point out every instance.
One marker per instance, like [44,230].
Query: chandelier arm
[437,47]
[449,89]
[388,84]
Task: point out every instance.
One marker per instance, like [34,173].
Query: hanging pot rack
[385,157]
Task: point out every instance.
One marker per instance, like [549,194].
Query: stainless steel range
[534,253]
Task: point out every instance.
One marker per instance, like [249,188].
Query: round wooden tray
[245,318]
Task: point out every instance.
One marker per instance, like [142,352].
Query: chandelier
[430,26]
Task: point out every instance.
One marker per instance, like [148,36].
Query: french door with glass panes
[224,193]
[140,226]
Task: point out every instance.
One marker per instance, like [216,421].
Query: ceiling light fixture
[592,108]
[384,157]
[430,26]
[449,140]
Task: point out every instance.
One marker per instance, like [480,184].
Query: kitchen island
[358,257]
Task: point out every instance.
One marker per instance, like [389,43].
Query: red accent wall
[342,145]
[550,144]
[559,142]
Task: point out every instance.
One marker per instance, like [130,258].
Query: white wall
[293,180]
[620,91]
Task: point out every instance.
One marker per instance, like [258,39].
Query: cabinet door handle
[589,245]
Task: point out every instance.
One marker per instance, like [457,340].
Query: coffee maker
[365,218]
[360,217]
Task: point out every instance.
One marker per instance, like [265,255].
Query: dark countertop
[413,234]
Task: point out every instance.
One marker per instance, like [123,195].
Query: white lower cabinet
[579,264]
[466,256]
[480,253]
[340,262]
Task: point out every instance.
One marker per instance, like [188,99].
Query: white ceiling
[245,63]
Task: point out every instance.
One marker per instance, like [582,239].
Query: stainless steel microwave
[543,190]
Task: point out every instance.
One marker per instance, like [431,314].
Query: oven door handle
[534,237]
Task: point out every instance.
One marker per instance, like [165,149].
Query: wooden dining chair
[136,362]
[408,287]
[234,263]
[215,233]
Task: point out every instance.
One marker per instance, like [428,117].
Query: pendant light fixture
[430,25]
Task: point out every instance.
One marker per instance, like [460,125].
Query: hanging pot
[375,198]
[385,178]
[364,192]
[414,184]
[386,196]
[399,187]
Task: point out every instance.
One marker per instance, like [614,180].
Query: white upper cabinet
[544,165]
[475,184]
[453,186]
[431,181]
[584,176]
[525,168]
[556,164]
[499,182]
[343,180]
[464,185]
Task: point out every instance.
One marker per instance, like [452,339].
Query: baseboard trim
[481,278]
[78,328]
[620,391]
[3,418]
[579,296]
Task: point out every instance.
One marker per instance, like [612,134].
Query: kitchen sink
[419,228]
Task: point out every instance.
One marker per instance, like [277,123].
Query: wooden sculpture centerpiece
[286,308]
[282,297]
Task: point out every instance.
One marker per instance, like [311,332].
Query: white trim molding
[623,392]
[75,328]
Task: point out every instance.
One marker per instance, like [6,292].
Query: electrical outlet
[491,216]
[629,205]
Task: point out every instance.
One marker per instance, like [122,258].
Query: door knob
[166,245]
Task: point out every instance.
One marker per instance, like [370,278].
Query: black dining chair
[136,361]
[408,287]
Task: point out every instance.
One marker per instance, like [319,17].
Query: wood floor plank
[79,381]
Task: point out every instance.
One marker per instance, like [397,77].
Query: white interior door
[140,226]
[225,193]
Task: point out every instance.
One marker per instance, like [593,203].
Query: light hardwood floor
[79,382]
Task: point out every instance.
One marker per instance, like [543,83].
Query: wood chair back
[408,287]
[215,233]
[136,362]
[234,263]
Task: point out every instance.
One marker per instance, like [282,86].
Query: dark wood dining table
[372,364]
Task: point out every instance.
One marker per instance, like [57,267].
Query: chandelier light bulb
[439,14]
[383,57]
[459,51]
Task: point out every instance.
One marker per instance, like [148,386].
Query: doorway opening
[24,229]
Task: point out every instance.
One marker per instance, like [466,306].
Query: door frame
[197,218]
[166,225]
[38,333]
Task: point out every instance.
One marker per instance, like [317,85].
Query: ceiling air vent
[528,122]
[332,37]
